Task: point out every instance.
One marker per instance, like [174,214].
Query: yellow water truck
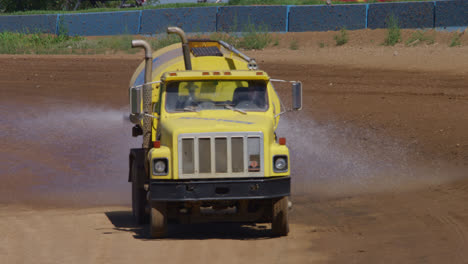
[210,153]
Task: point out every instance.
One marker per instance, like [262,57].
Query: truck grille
[220,155]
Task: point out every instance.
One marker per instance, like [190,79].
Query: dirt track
[380,155]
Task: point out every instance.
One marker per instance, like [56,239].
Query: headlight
[280,163]
[160,166]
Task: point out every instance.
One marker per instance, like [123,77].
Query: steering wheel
[207,105]
[245,105]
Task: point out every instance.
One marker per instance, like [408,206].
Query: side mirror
[135,105]
[297,96]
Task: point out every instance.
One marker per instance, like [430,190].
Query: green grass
[159,43]
[14,43]
[420,37]
[393,31]
[231,39]
[180,5]
[19,43]
[254,38]
[342,37]
[455,41]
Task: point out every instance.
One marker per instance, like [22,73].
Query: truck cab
[211,151]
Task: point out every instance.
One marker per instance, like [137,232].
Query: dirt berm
[380,158]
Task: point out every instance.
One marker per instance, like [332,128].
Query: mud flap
[136,155]
[137,176]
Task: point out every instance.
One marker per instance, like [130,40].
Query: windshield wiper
[191,109]
[235,109]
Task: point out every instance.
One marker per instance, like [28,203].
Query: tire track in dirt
[88,236]
[453,221]
[452,224]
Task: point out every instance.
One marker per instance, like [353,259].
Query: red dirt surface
[380,158]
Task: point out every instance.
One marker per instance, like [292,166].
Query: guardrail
[445,14]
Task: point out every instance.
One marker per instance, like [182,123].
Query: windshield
[195,96]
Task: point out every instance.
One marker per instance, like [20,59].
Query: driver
[191,100]
[256,94]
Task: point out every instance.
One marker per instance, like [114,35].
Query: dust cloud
[336,160]
[77,154]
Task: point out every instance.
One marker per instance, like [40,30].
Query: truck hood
[226,121]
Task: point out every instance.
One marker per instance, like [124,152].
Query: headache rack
[208,47]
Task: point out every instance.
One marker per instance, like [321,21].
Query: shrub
[393,31]
[24,5]
[294,45]
[456,41]
[228,38]
[276,42]
[342,37]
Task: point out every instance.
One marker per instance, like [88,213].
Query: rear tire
[138,196]
[280,224]
[158,226]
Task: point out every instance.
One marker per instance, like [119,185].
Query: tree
[25,5]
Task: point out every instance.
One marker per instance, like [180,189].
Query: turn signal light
[216,73]
[282,141]
[172,74]
[227,73]
[205,73]
[157,144]
[259,73]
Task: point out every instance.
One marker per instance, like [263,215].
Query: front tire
[280,224]
[158,226]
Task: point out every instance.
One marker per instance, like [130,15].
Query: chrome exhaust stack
[252,63]
[147,90]
[185,46]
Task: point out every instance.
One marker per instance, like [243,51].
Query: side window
[172,92]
